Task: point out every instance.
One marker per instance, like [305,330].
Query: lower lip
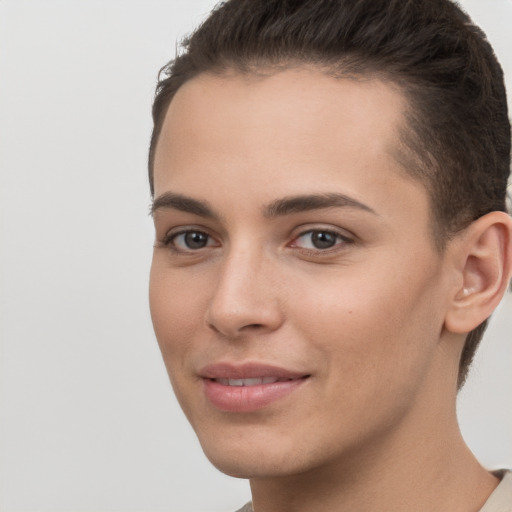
[248,398]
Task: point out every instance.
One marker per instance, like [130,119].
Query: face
[295,291]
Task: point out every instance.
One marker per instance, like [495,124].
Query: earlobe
[485,263]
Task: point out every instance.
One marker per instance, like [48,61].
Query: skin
[370,320]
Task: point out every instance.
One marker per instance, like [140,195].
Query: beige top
[499,501]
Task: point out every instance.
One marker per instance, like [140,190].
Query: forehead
[282,133]
[289,96]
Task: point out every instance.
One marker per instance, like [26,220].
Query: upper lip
[248,371]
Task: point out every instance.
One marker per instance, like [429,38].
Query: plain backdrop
[88,421]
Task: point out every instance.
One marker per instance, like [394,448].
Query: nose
[245,299]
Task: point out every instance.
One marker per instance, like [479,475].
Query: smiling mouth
[245,395]
[254,381]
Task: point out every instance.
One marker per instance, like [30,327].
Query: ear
[484,264]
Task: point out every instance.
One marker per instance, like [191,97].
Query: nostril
[213,328]
[248,326]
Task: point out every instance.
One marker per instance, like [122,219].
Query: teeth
[247,382]
[250,382]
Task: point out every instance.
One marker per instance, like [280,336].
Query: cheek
[374,359]
[175,305]
[375,329]
[177,312]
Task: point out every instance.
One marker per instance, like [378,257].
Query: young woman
[329,183]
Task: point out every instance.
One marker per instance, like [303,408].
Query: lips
[248,387]
[249,382]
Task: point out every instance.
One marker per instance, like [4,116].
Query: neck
[420,478]
[422,464]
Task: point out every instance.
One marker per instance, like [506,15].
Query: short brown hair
[457,131]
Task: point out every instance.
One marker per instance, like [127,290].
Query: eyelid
[169,237]
[344,237]
[327,228]
[340,234]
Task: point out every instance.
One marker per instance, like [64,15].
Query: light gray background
[87,418]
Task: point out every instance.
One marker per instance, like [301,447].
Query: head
[456,139]
[330,181]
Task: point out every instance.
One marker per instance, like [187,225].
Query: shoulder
[501,499]
[246,508]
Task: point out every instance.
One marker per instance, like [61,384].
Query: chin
[252,456]
[247,454]
[251,466]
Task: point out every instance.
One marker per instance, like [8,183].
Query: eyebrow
[182,203]
[302,203]
[278,208]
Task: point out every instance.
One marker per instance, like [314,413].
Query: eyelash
[340,240]
[170,240]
